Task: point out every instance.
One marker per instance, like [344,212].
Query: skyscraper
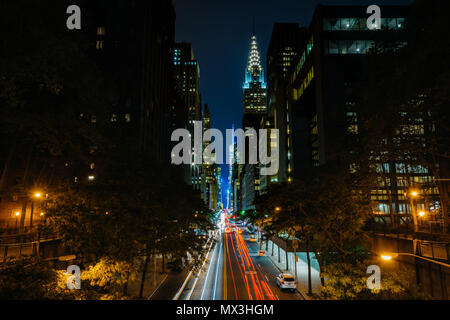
[285,45]
[254,88]
[325,109]
[255,93]
[187,78]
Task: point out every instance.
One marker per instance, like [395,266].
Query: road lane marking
[207,274]
[165,278]
[217,270]
[224,274]
[198,274]
[177,295]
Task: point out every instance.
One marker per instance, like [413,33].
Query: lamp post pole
[413,210]
[31,214]
[412,195]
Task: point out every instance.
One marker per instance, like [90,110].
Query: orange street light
[421,213]
[37,195]
[17,214]
[386,257]
[414,193]
[277,209]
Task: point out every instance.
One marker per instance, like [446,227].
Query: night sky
[220,32]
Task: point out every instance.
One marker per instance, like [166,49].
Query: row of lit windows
[350,46]
[297,93]
[360,24]
[127,118]
[347,46]
[413,129]
[402,168]
[304,54]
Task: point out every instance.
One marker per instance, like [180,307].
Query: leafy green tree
[327,210]
[414,96]
[108,277]
[346,281]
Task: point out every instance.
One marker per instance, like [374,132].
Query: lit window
[353,129]
[101,31]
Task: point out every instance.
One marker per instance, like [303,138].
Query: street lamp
[277,209]
[413,194]
[386,257]
[389,256]
[36,195]
[17,218]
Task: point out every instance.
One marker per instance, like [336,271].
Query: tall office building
[187,78]
[132,44]
[210,182]
[255,94]
[323,119]
[284,47]
[254,88]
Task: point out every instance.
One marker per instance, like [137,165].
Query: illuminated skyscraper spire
[254,67]
[254,71]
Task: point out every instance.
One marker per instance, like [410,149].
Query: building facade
[132,43]
[255,110]
[187,81]
[323,107]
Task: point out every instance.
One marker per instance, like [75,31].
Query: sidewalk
[302,269]
[149,286]
[169,286]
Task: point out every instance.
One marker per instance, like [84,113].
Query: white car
[286,281]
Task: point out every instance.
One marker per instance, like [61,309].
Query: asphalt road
[233,270]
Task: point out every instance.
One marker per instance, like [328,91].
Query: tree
[413,95]
[349,282]
[108,277]
[327,210]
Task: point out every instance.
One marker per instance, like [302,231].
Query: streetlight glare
[414,193]
[386,257]
[421,213]
[37,194]
[17,214]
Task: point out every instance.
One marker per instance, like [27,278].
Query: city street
[233,270]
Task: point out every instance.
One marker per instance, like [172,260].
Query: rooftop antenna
[253,26]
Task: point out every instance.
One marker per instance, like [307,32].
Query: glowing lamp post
[36,195]
[414,194]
